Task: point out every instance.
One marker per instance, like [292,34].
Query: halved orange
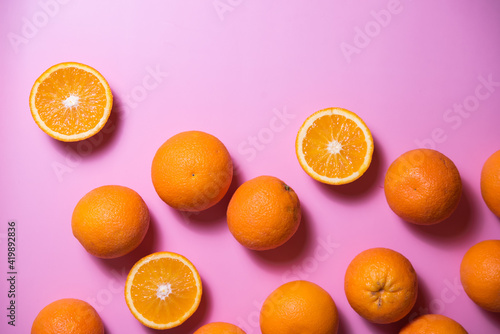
[334,146]
[163,290]
[71,101]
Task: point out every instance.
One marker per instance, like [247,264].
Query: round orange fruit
[381,285]
[334,146]
[299,307]
[423,187]
[480,274]
[192,171]
[71,101]
[490,183]
[219,328]
[263,213]
[110,221]
[68,316]
[163,290]
[433,324]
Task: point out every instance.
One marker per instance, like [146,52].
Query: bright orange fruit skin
[433,324]
[299,307]
[110,221]
[381,285]
[263,213]
[71,101]
[480,274]
[219,328]
[423,187]
[192,171]
[68,316]
[490,183]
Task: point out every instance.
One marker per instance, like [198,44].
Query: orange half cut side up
[163,290]
[71,101]
[334,146]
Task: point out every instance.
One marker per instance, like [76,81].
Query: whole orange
[299,307]
[263,213]
[381,285]
[423,187]
[192,171]
[110,221]
[433,324]
[480,274]
[68,316]
[219,328]
[490,183]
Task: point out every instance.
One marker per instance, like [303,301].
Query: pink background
[229,73]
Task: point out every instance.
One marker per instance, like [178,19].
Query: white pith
[164,290]
[334,147]
[71,101]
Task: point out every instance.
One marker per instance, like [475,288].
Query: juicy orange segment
[71,101]
[334,146]
[163,290]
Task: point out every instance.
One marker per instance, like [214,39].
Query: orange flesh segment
[325,136]
[87,95]
[156,278]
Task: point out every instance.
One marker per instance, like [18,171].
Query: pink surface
[230,68]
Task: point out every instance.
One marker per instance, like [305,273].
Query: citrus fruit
[334,146]
[110,221]
[263,213]
[490,183]
[381,285]
[192,171]
[423,187]
[299,307]
[71,101]
[219,328]
[68,316]
[163,290]
[480,274]
[433,324]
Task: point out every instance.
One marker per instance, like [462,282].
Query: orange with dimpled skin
[263,213]
[381,285]
[480,274]
[433,324]
[192,171]
[299,307]
[423,187]
[219,328]
[490,183]
[68,316]
[110,221]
